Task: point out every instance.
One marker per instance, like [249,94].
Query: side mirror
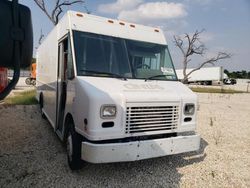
[16,39]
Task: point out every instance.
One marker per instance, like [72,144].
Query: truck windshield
[104,56]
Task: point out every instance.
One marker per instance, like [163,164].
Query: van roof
[116,28]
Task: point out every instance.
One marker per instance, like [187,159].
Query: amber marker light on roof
[131,25]
[110,21]
[156,30]
[121,23]
[79,15]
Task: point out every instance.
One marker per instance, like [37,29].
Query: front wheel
[28,81]
[73,144]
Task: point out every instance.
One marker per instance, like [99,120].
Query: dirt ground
[31,155]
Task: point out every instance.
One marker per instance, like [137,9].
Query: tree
[190,44]
[238,74]
[244,74]
[226,72]
[41,37]
[58,8]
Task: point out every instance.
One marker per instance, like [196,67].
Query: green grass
[22,98]
[215,90]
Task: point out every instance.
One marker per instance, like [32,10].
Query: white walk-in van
[110,91]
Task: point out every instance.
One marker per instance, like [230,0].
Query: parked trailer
[204,76]
[109,89]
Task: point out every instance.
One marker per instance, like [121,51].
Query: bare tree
[190,45]
[58,9]
[41,37]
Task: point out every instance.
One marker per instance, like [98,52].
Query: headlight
[189,109]
[108,111]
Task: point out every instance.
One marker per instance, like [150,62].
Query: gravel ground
[31,155]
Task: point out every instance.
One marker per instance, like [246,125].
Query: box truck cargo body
[110,91]
[204,76]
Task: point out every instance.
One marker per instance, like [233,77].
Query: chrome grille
[152,118]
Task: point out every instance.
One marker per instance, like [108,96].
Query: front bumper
[138,150]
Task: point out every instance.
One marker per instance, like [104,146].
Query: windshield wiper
[156,76]
[108,73]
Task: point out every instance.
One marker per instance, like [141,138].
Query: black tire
[41,106]
[27,81]
[207,83]
[73,144]
[33,82]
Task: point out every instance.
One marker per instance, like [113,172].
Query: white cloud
[204,37]
[207,37]
[170,17]
[173,27]
[201,2]
[204,2]
[118,6]
[154,11]
[214,51]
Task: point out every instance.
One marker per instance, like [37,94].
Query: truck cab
[110,91]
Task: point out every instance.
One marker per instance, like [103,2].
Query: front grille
[152,119]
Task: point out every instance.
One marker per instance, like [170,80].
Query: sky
[226,24]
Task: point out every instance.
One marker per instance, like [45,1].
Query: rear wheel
[73,143]
[33,82]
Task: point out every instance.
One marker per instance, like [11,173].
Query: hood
[135,90]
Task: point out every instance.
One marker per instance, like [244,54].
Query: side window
[70,66]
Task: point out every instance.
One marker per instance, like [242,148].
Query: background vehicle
[229,81]
[204,76]
[32,79]
[110,91]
